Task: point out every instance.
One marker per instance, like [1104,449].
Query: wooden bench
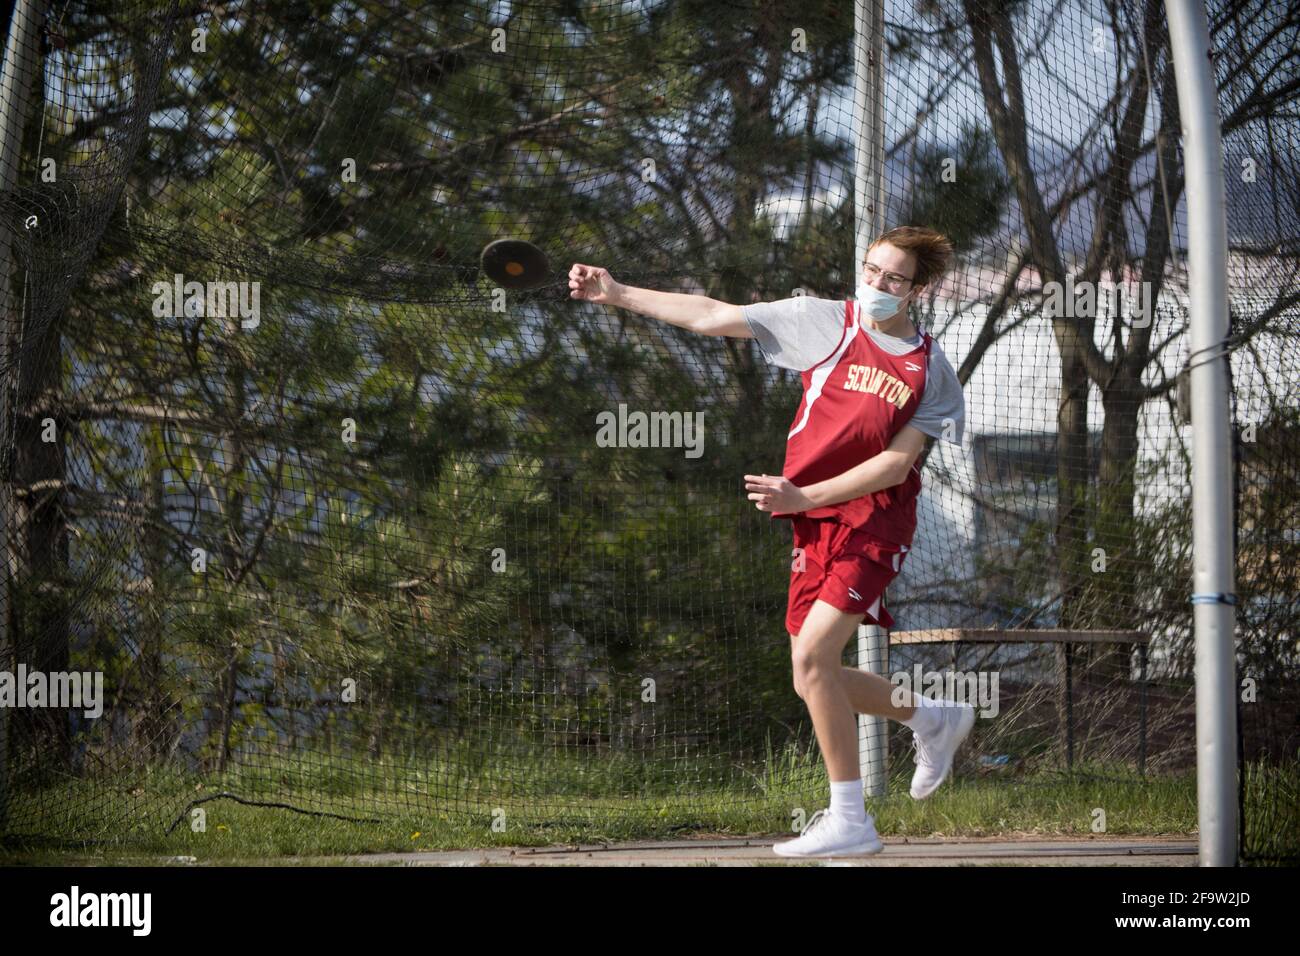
[1065,639]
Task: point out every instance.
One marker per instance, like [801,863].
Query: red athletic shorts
[846,568]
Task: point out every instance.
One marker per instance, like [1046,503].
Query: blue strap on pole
[1214,598]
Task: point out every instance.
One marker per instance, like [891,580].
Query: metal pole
[1142,708]
[1069,707]
[1212,553]
[868,219]
[868,111]
[21,55]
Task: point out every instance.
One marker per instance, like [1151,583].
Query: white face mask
[876,304]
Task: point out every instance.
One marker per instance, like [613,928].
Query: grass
[337,806]
[399,809]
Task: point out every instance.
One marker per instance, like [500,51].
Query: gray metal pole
[868,219]
[1212,555]
[21,55]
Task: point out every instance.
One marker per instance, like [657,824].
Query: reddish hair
[933,250]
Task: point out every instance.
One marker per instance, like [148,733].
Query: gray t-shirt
[799,332]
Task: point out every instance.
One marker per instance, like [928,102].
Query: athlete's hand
[776,494]
[593,284]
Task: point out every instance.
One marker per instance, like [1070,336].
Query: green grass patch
[272,810]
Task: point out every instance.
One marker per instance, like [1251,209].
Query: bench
[1065,639]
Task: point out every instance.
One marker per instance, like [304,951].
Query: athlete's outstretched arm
[696,313]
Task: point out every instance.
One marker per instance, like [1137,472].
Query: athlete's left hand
[777,494]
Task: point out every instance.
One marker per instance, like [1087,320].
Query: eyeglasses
[892,279]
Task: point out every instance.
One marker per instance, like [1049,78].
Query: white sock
[928,717]
[846,800]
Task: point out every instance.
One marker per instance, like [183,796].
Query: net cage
[345,528]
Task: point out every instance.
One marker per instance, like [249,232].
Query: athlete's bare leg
[833,692]
[871,694]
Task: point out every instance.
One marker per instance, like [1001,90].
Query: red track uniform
[854,403]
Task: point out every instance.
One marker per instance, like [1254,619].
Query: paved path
[1030,851]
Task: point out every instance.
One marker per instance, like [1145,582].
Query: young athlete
[873,389]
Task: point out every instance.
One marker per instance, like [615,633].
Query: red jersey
[854,402]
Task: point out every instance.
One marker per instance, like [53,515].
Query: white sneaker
[934,751]
[826,834]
